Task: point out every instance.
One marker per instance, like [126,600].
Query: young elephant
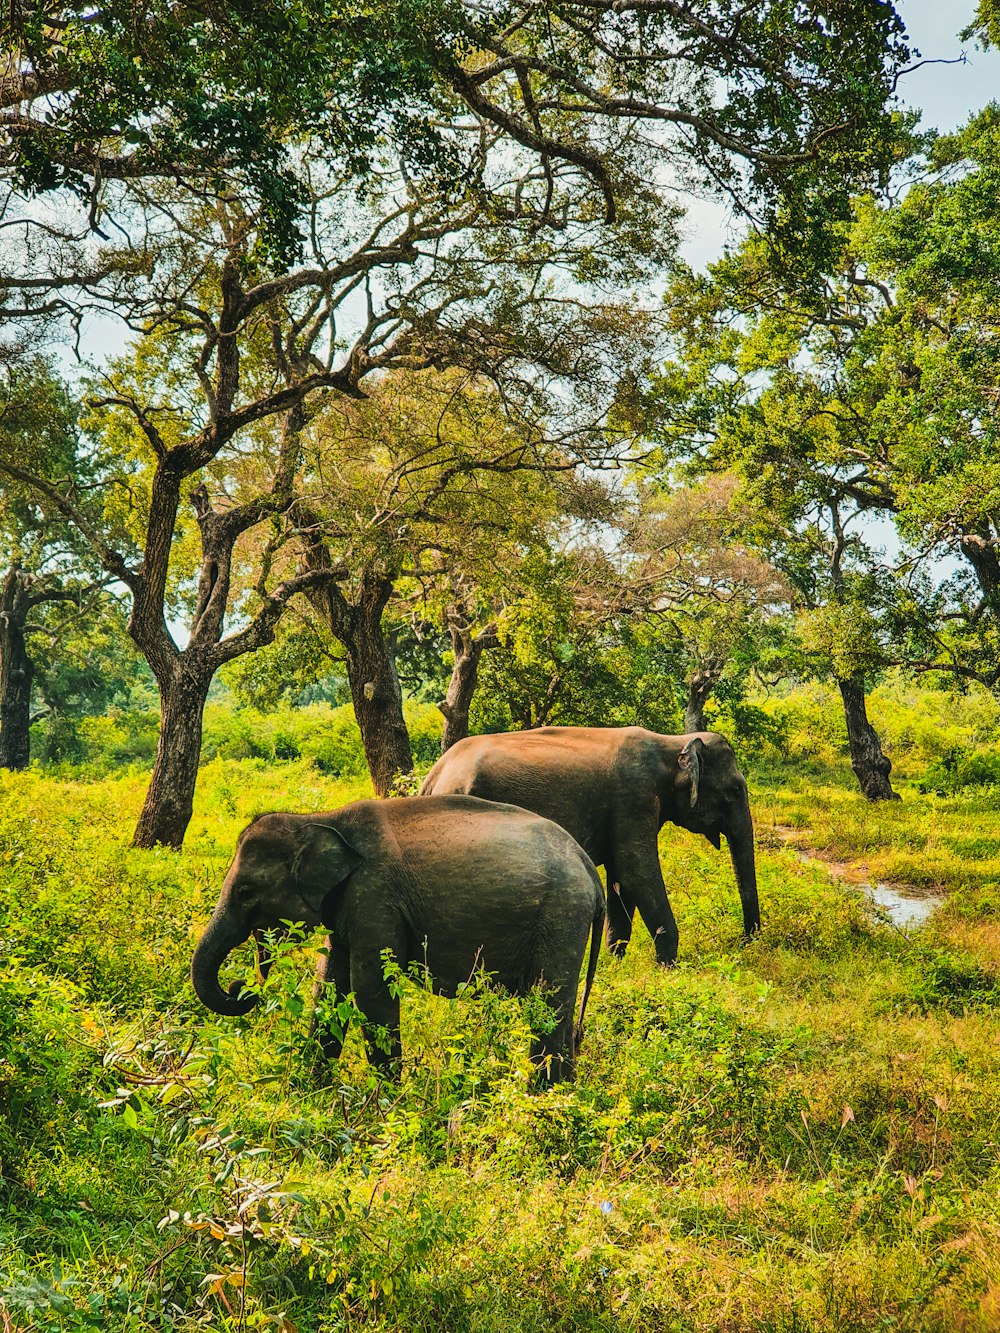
[451,882]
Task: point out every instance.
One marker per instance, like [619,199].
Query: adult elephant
[450,884]
[614,788]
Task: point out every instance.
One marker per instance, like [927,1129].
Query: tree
[403,497]
[619,618]
[986,25]
[779,393]
[470,638]
[404,200]
[97,94]
[715,598]
[784,112]
[160,432]
[44,569]
[234,344]
[299,666]
[572,650]
[932,344]
[904,362]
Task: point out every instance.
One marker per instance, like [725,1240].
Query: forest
[366,391]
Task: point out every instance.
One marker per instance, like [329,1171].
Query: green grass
[796,1135]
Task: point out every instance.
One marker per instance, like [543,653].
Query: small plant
[405,784]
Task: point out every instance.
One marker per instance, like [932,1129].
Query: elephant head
[285,869]
[710,797]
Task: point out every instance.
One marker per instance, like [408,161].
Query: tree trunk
[370,661]
[16,674]
[184,677]
[699,688]
[378,700]
[982,556]
[170,797]
[468,649]
[871,767]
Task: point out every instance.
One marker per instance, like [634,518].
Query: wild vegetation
[795,1134]
[417,424]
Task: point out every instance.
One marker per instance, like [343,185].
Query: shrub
[959,768]
[94,747]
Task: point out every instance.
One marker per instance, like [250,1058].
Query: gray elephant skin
[451,883]
[613,789]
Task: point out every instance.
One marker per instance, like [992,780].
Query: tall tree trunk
[700,687]
[16,673]
[871,767]
[370,661]
[468,649]
[184,676]
[166,811]
[378,700]
[978,549]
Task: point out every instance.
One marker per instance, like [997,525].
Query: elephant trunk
[219,940]
[739,836]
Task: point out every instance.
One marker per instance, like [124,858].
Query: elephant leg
[553,1052]
[380,1011]
[334,969]
[637,872]
[618,924]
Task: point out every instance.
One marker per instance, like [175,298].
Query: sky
[945,93]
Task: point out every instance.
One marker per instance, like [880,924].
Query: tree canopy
[782,108]
[287,204]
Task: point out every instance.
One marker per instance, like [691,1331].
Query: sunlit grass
[798,1134]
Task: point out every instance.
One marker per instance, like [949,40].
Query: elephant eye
[244,893]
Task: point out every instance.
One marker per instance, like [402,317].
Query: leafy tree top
[781,107]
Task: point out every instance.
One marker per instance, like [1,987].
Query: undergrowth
[795,1134]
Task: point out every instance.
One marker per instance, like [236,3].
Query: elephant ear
[323,860]
[689,761]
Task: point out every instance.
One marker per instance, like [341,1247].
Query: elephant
[451,883]
[613,789]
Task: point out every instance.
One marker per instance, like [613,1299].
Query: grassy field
[797,1135]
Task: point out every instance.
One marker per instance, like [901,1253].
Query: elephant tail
[596,932]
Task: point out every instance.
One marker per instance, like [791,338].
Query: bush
[959,768]
[328,737]
[95,747]
[917,727]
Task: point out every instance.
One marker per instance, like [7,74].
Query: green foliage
[87,663]
[328,737]
[100,745]
[324,736]
[958,769]
[563,663]
[195,92]
[180,94]
[987,23]
[919,726]
[72,635]
[874,397]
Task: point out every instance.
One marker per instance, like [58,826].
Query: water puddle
[905,910]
